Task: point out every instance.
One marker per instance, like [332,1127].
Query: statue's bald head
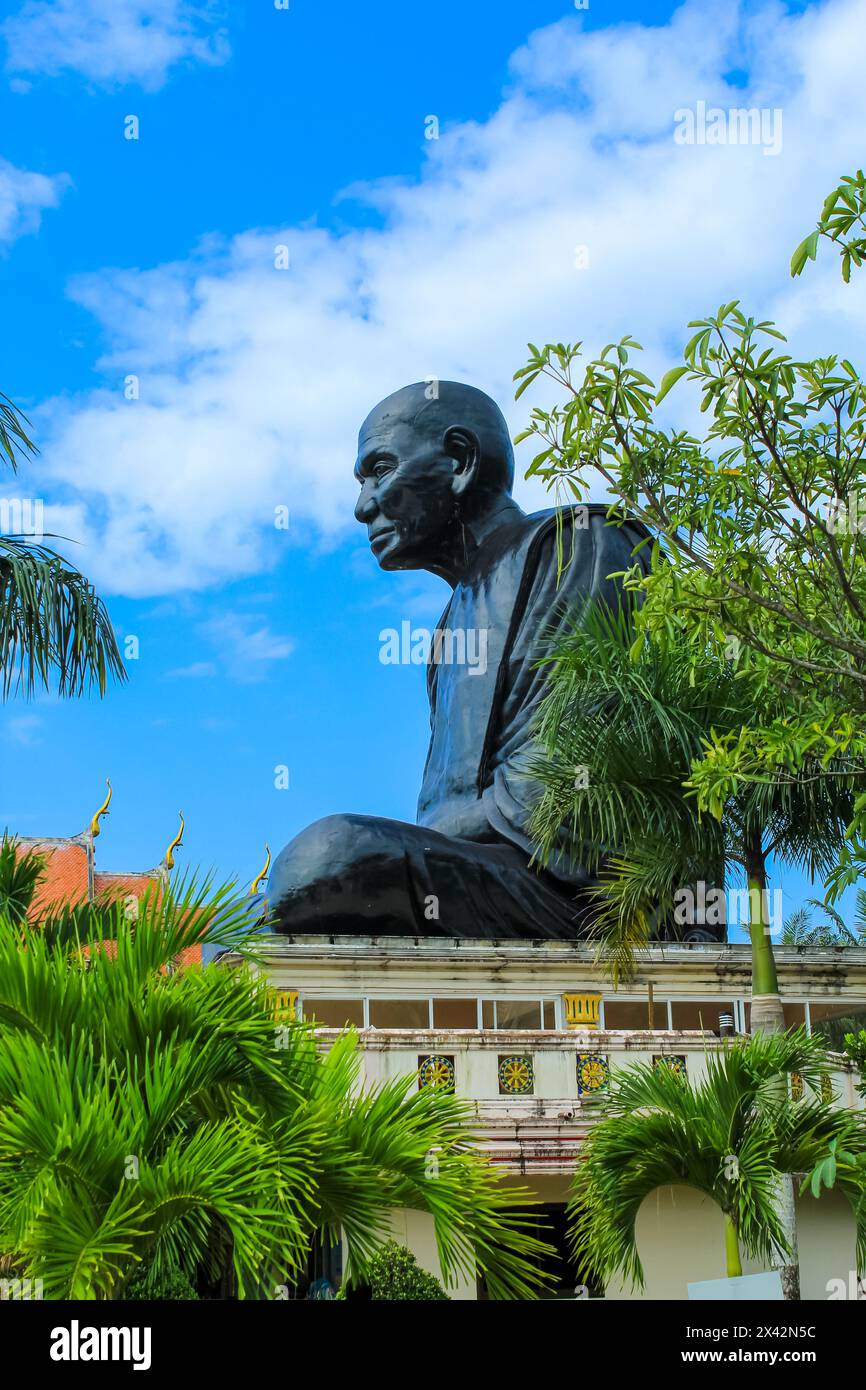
[431,457]
[432,408]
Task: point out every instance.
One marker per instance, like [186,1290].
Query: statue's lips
[379,538]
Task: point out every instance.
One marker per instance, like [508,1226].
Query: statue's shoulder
[583,516]
[531,540]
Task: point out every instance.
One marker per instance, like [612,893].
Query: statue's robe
[464,869]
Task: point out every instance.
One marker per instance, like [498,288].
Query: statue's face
[408,491]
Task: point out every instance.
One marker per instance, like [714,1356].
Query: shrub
[172,1287]
[394,1273]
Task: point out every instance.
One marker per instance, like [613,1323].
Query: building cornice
[556,965]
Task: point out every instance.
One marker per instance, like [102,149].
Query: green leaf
[668,380]
[806,251]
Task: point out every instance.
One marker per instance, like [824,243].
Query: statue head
[432,458]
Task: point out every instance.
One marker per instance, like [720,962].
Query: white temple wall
[681,1239]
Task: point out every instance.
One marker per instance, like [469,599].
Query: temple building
[71,874]
[530,1032]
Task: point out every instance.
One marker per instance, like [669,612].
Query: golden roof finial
[103,811]
[175,844]
[260,877]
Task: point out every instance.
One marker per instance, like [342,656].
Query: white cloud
[253,380]
[245,645]
[113,41]
[23,198]
[197,671]
[24,729]
[629,75]
[244,649]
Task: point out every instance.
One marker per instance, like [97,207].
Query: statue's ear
[463,446]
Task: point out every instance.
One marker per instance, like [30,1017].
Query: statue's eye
[381,470]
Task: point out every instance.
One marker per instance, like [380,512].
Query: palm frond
[164,1119]
[21,872]
[14,439]
[52,625]
[797,928]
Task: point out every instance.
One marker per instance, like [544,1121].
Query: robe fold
[476,783]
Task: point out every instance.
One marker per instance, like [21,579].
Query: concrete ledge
[516,1040]
[439,947]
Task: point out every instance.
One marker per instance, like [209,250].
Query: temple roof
[67,871]
[71,875]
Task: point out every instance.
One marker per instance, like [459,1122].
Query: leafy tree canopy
[758,519]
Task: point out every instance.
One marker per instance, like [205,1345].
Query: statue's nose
[365,507]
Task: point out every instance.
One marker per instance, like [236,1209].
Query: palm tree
[731,1136]
[799,930]
[51,621]
[162,1121]
[635,723]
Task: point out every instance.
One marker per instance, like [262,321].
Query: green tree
[855,1049]
[731,1136]
[759,524]
[179,1121]
[174,1287]
[52,624]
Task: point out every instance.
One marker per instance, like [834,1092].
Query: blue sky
[408,258]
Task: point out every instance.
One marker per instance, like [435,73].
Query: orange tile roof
[66,877]
[69,869]
[117,885]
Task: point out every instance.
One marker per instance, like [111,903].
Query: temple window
[517,1014]
[335,1013]
[399,1013]
[796,1014]
[630,1015]
[688,1014]
[834,1020]
[455,1013]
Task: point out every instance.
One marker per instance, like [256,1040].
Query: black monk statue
[435,469]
